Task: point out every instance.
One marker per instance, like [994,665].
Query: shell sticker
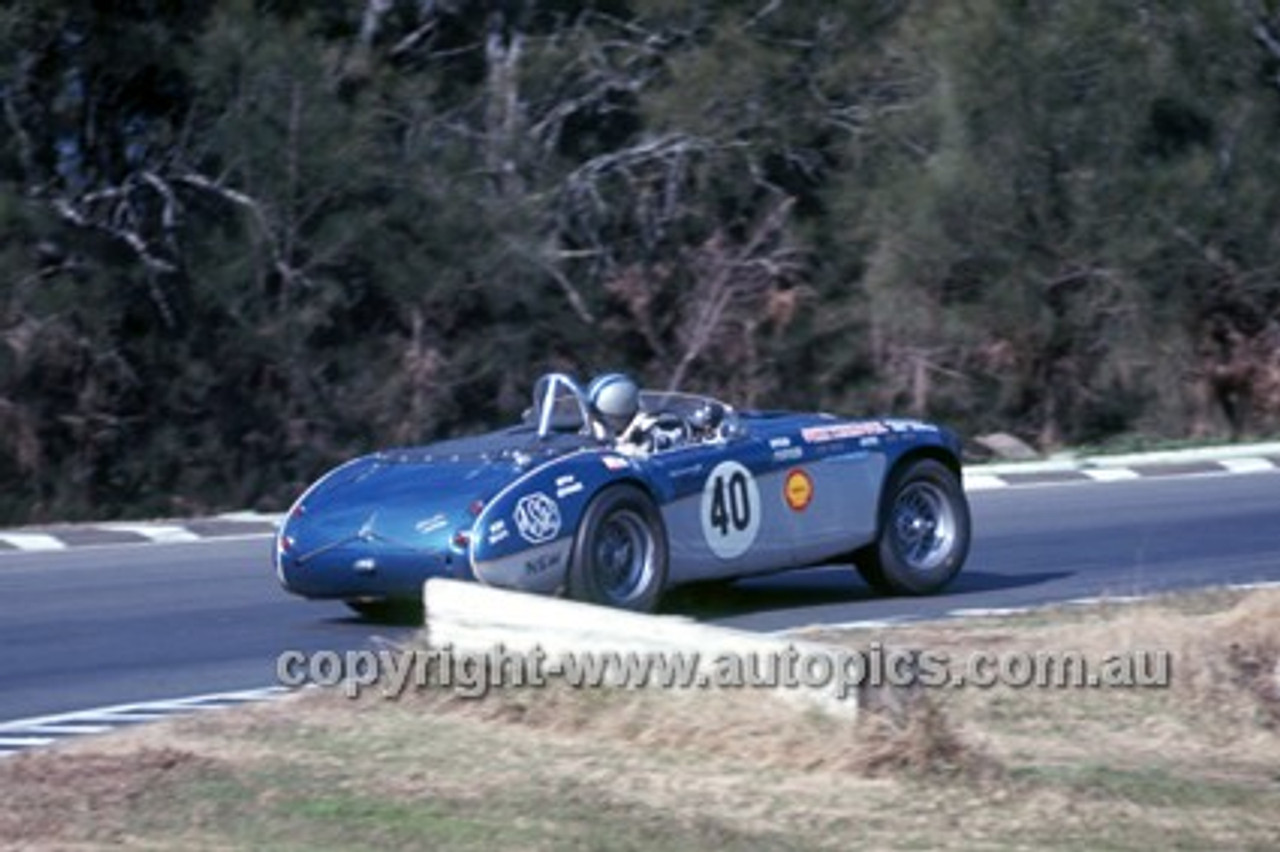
[798,490]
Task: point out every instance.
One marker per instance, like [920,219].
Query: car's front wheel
[620,551]
[924,532]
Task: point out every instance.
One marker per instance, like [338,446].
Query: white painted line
[1108,599]
[1111,474]
[124,545]
[159,533]
[25,742]
[112,713]
[33,541]
[167,708]
[1247,465]
[1069,462]
[1143,481]
[1191,454]
[982,482]
[1250,587]
[221,699]
[252,517]
[870,624]
[988,612]
[67,729]
[980,612]
[1042,466]
[127,716]
[243,696]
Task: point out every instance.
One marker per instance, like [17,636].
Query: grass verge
[1194,765]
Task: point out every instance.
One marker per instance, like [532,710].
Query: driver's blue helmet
[615,397]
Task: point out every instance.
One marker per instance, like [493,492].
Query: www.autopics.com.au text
[844,671]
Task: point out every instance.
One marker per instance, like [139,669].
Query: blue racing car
[611,495]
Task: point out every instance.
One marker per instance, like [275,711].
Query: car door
[831,492]
[723,514]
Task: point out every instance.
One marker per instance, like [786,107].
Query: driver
[615,398]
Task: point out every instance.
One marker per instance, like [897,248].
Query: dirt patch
[47,790]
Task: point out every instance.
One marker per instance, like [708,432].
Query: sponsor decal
[537,517]
[431,524]
[730,510]
[541,564]
[789,454]
[798,489]
[899,425]
[498,531]
[779,443]
[567,485]
[840,431]
[615,462]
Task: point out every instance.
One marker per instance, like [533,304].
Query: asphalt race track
[95,626]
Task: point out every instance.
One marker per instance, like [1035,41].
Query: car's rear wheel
[924,532]
[620,551]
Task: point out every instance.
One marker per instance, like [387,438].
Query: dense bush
[240,241]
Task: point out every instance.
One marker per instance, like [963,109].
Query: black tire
[388,611]
[867,561]
[620,551]
[924,532]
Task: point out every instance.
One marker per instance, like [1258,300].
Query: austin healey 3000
[611,494]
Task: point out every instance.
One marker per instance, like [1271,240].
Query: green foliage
[241,241]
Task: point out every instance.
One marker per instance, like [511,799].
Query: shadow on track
[821,587]
[382,614]
[800,589]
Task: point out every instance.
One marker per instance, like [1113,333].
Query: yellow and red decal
[798,489]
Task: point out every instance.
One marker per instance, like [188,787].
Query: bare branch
[25,146]
[725,284]
[281,263]
[169,216]
[1263,31]
[1265,37]
[571,293]
[374,11]
[131,238]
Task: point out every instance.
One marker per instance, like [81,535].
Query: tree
[244,240]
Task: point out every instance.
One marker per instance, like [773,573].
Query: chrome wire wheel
[620,551]
[622,557]
[923,526]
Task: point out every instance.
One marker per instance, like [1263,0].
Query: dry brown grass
[1191,766]
[741,725]
[1220,712]
[1232,659]
[43,792]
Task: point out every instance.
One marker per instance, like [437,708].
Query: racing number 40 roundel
[730,510]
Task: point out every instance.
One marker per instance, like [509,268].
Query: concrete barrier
[475,619]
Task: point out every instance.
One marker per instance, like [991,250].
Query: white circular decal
[537,517]
[730,510]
